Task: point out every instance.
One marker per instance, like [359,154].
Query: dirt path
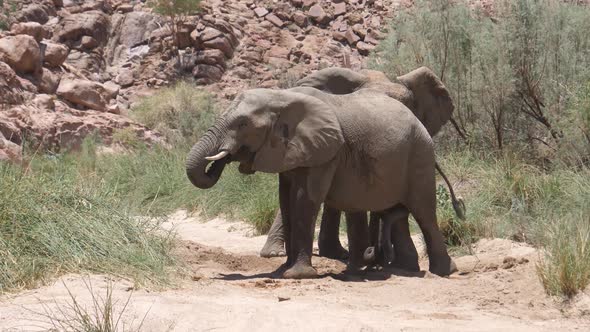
[232,290]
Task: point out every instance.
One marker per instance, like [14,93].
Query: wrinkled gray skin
[423,93]
[357,152]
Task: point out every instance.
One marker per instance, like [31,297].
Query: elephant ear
[304,132]
[433,103]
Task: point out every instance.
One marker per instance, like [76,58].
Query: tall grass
[182,112]
[152,181]
[53,221]
[565,267]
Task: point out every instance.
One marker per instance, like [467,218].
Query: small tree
[177,12]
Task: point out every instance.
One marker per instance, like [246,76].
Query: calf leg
[329,240]
[275,241]
[406,255]
[358,238]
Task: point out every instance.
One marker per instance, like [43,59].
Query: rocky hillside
[69,68]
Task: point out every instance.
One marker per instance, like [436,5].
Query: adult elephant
[357,152]
[426,96]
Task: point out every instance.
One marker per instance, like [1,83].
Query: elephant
[358,152]
[419,91]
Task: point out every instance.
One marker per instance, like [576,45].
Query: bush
[514,73]
[182,113]
[565,267]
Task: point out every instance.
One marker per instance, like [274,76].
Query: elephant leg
[275,241]
[329,241]
[422,205]
[358,238]
[374,222]
[373,254]
[406,255]
[284,205]
[301,212]
[385,246]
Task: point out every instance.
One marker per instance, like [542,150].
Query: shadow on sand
[364,275]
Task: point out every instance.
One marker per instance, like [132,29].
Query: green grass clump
[53,221]
[182,112]
[565,267]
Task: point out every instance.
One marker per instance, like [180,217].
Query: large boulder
[33,13]
[59,126]
[137,28]
[91,62]
[33,29]
[55,54]
[92,23]
[221,43]
[9,129]
[21,52]
[49,81]
[86,93]
[9,151]
[10,86]
[206,74]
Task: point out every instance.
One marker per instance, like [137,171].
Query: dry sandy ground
[232,289]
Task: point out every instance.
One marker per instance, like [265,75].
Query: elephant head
[433,105]
[420,90]
[269,131]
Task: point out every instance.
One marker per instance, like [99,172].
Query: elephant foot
[356,270]
[300,271]
[334,252]
[273,249]
[443,266]
[406,263]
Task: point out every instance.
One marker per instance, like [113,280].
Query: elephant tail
[458,204]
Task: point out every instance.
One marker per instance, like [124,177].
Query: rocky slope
[69,68]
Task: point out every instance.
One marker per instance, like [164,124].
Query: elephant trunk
[196,163]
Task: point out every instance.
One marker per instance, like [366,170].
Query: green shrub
[127,138]
[514,74]
[181,113]
[565,267]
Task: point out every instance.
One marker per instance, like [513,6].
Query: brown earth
[232,289]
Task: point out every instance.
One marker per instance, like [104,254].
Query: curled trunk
[196,164]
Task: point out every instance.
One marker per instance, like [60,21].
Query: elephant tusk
[218,156]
